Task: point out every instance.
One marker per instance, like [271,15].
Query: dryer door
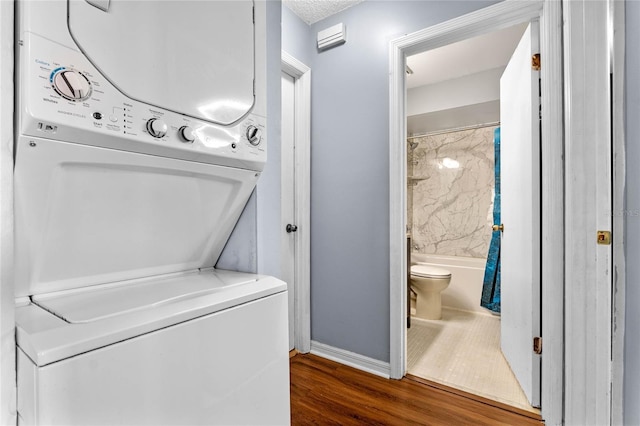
[191,57]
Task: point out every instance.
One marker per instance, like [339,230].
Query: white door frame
[619,172]
[595,281]
[492,18]
[289,239]
[302,119]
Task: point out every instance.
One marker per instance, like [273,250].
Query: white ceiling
[466,57]
[312,11]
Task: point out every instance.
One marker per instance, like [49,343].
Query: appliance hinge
[535,62]
[537,345]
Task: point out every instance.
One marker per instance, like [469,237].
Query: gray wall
[632,330]
[240,252]
[350,171]
[297,39]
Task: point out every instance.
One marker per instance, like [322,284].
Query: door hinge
[537,345]
[535,62]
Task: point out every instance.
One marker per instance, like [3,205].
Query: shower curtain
[491,284]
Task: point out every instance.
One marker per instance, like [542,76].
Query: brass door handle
[498,227]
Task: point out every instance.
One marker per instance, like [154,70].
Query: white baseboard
[351,359]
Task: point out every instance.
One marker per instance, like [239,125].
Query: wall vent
[332,36]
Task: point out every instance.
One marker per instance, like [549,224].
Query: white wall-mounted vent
[332,36]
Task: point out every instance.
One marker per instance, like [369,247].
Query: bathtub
[467,274]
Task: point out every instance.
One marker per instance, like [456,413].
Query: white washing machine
[140,137]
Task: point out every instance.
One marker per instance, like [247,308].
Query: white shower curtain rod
[456,129]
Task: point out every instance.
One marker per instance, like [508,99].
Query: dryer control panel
[66,98]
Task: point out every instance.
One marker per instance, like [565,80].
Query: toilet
[428,283]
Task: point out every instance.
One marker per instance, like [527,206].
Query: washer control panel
[64,97]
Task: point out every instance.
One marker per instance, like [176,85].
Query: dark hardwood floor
[324,392]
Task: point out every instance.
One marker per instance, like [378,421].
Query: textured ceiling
[312,11]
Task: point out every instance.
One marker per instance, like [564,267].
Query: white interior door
[287,166]
[520,245]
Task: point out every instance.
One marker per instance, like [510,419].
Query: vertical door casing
[288,195]
[588,270]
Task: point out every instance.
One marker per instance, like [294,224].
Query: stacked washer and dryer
[140,137]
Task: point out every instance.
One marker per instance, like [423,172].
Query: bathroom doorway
[453,164]
[497,17]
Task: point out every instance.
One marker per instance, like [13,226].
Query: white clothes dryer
[140,137]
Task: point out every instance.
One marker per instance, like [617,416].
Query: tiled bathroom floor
[463,351]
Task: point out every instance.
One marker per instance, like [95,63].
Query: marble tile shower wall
[450,192]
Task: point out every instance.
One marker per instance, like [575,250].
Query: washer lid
[110,314]
[111,300]
[191,57]
[427,271]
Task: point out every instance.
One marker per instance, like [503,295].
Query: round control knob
[70,84]
[156,127]
[187,134]
[254,135]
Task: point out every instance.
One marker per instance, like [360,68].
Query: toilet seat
[426,271]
